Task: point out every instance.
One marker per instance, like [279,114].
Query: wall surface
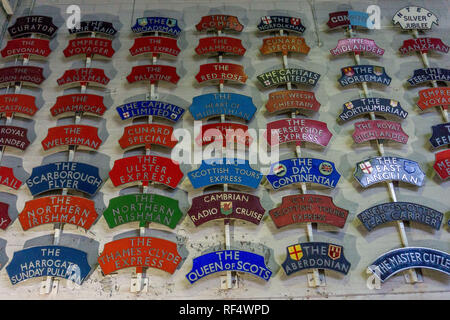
[361,247]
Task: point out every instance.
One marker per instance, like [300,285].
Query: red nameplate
[22,74]
[220,45]
[58,209]
[308,208]
[287,100]
[298,130]
[155,45]
[148,134]
[145,169]
[15,137]
[139,252]
[434,97]
[17,103]
[338,19]
[27,46]
[8,179]
[72,135]
[423,45]
[442,164]
[225,132]
[5,220]
[153,73]
[219,22]
[284,44]
[84,75]
[89,47]
[221,72]
[79,102]
[379,129]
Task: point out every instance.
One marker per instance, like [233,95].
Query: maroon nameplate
[423,45]
[147,134]
[222,45]
[84,76]
[16,137]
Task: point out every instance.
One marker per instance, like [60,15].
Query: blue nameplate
[380,169]
[59,175]
[358,107]
[150,108]
[400,211]
[297,170]
[441,135]
[226,170]
[230,104]
[310,255]
[157,24]
[358,18]
[52,261]
[401,259]
[228,260]
[363,73]
[429,74]
[276,23]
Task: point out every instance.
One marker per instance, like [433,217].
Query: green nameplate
[144,208]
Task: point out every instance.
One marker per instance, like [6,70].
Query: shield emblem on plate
[295,252]
[279,170]
[334,252]
[226,207]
